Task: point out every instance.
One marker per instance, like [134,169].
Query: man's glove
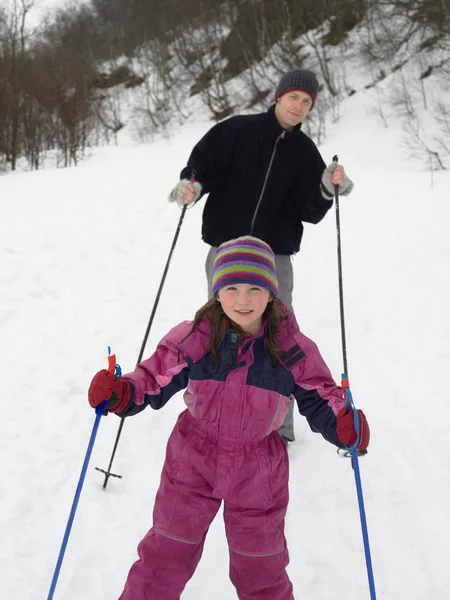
[333,175]
[105,386]
[185,192]
[346,432]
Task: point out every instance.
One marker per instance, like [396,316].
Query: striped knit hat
[245,260]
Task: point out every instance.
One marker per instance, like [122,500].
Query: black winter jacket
[262,180]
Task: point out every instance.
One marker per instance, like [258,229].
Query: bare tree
[418,142]
[14,46]
[198,48]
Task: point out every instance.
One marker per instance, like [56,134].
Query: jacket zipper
[269,168]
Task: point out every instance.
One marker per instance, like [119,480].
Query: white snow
[82,252]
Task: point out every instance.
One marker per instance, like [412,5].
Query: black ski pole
[350,404]
[108,472]
[341,297]
[341,284]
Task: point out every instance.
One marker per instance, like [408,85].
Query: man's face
[292,108]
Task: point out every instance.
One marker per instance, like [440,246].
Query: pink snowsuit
[225,447]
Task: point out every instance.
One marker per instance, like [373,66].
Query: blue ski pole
[350,404]
[359,490]
[113,368]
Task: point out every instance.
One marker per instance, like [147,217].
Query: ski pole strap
[351,406]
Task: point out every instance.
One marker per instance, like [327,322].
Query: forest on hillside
[62,82]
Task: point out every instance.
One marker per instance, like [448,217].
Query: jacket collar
[197,343]
[248,340]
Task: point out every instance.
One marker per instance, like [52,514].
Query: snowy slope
[82,252]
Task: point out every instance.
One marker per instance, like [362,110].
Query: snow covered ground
[82,252]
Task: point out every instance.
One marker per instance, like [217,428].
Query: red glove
[105,386]
[346,432]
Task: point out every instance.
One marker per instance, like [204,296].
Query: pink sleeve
[314,374]
[164,373]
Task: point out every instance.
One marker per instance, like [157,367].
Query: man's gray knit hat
[298,79]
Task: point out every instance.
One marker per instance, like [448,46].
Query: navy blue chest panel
[261,373]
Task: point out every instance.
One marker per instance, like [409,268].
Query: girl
[242,361]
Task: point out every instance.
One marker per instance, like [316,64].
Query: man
[264,178]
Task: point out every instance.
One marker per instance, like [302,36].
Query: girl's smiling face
[244,304]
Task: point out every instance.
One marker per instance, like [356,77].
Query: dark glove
[346,432]
[105,386]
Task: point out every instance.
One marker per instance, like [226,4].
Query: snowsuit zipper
[269,168]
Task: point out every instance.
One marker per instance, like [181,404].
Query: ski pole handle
[112,367]
[112,364]
[336,160]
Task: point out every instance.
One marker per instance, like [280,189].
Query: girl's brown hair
[275,314]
